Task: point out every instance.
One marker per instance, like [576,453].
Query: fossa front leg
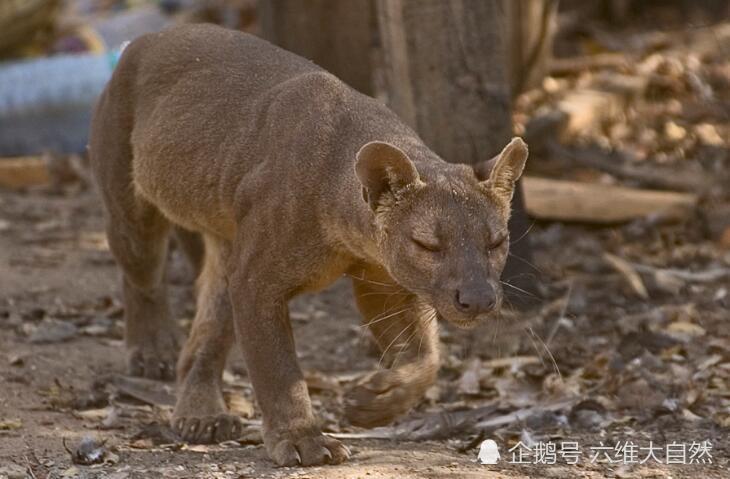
[261,318]
[407,335]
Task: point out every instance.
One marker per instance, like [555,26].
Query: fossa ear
[384,169]
[500,174]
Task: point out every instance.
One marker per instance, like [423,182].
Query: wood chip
[629,273]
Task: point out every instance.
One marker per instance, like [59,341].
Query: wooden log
[23,172]
[561,200]
[532,29]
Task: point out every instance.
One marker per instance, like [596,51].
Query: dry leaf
[10,424]
[684,330]
[239,405]
[629,273]
[469,381]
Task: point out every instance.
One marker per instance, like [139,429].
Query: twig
[447,424]
[707,276]
[523,414]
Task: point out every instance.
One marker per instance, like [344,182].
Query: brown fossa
[292,179]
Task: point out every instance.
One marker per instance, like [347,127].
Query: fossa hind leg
[200,413]
[138,239]
[407,335]
[139,243]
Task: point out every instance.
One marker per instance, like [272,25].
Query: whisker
[563,310]
[537,350]
[382,356]
[404,348]
[390,285]
[385,331]
[520,258]
[496,329]
[374,293]
[550,354]
[431,317]
[529,228]
[518,289]
[375,321]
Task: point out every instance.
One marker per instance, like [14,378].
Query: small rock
[53,331]
[89,451]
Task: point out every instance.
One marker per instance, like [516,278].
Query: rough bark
[336,35]
[532,28]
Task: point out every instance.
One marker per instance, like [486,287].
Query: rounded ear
[383,168]
[483,169]
[506,168]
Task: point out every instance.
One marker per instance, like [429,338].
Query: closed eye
[427,245]
[498,242]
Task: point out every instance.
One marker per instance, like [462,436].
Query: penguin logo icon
[488,452]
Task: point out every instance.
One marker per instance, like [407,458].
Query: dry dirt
[55,266]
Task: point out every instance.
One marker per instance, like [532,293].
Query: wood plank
[561,200]
[23,172]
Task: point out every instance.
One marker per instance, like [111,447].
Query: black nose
[475,301]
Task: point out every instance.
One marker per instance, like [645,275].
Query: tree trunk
[336,35]
[532,28]
[447,75]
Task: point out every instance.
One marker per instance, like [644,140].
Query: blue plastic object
[46,104]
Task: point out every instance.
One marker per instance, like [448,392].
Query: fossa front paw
[379,398]
[208,429]
[305,448]
[154,358]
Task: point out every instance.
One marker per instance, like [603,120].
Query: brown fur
[293,179]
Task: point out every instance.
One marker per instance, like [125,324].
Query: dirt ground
[56,268]
[629,343]
[638,381]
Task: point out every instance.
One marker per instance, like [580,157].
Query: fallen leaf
[197,448]
[684,330]
[239,405]
[469,381]
[10,424]
[512,362]
[93,414]
[629,273]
